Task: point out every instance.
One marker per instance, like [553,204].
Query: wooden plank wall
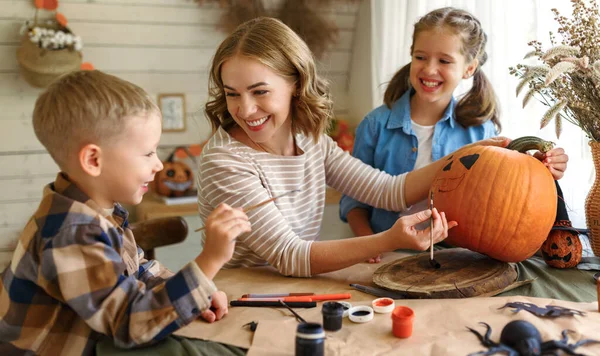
[162,45]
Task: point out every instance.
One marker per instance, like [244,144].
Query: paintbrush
[298,317]
[252,207]
[435,264]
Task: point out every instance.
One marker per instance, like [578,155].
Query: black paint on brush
[435,264]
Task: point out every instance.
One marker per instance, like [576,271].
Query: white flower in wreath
[77,43]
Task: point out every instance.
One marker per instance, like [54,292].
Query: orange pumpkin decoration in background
[562,249]
[175,180]
[504,201]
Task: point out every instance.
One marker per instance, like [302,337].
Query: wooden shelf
[152,208]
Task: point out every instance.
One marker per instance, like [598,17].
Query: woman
[269,110]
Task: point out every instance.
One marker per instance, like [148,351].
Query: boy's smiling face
[130,162]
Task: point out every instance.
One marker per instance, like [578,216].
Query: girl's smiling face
[438,65]
[259,100]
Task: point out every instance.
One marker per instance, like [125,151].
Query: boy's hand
[556,160]
[218,308]
[405,235]
[223,226]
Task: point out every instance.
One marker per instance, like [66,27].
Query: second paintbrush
[252,207]
[435,264]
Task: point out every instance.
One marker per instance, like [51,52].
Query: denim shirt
[385,140]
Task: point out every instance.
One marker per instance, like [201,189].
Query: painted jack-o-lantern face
[562,249]
[447,184]
[174,180]
[504,201]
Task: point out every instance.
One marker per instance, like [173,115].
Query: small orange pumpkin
[504,201]
[174,180]
[562,249]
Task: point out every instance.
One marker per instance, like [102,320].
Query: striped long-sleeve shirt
[282,232]
[77,275]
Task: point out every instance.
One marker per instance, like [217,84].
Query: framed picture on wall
[172,107]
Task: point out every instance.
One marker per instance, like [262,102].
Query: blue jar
[310,340]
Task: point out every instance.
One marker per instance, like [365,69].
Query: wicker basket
[39,67]
[592,202]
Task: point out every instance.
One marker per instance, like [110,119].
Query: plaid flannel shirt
[77,275]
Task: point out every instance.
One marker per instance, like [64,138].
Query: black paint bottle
[310,340]
[332,316]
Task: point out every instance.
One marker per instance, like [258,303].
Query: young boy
[77,273]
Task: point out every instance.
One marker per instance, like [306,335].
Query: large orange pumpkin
[504,201]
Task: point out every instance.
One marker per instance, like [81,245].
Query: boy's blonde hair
[86,107]
[276,46]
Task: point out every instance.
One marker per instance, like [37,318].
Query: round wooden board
[463,274]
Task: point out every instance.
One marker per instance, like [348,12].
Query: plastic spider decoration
[521,338]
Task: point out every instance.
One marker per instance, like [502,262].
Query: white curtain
[510,25]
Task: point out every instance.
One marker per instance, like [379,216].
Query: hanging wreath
[48,48]
[318,32]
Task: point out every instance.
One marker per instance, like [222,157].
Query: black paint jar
[332,316]
[310,340]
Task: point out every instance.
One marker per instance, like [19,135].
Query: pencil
[305,298]
[277,304]
[378,292]
[252,207]
[275,295]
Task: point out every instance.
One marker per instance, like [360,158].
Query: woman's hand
[406,236]
[556,160]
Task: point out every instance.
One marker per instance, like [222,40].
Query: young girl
[269,110]
[421,121]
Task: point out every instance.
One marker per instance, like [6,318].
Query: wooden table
[152,208]
[439,326]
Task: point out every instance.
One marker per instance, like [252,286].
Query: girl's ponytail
[399,84]
[479,104]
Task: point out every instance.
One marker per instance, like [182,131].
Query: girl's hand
[556,160]
[406,236]
[499,141]
[375,259]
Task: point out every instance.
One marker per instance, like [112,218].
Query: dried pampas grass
[302,16]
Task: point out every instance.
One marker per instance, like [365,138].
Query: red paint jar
[383,305]
[402,321]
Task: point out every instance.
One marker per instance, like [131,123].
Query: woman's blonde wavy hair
[276,46]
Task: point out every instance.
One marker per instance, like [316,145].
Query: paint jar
[383,305]
[310,340]
[332,316]
[360,314]
[347,306]
[402,321]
